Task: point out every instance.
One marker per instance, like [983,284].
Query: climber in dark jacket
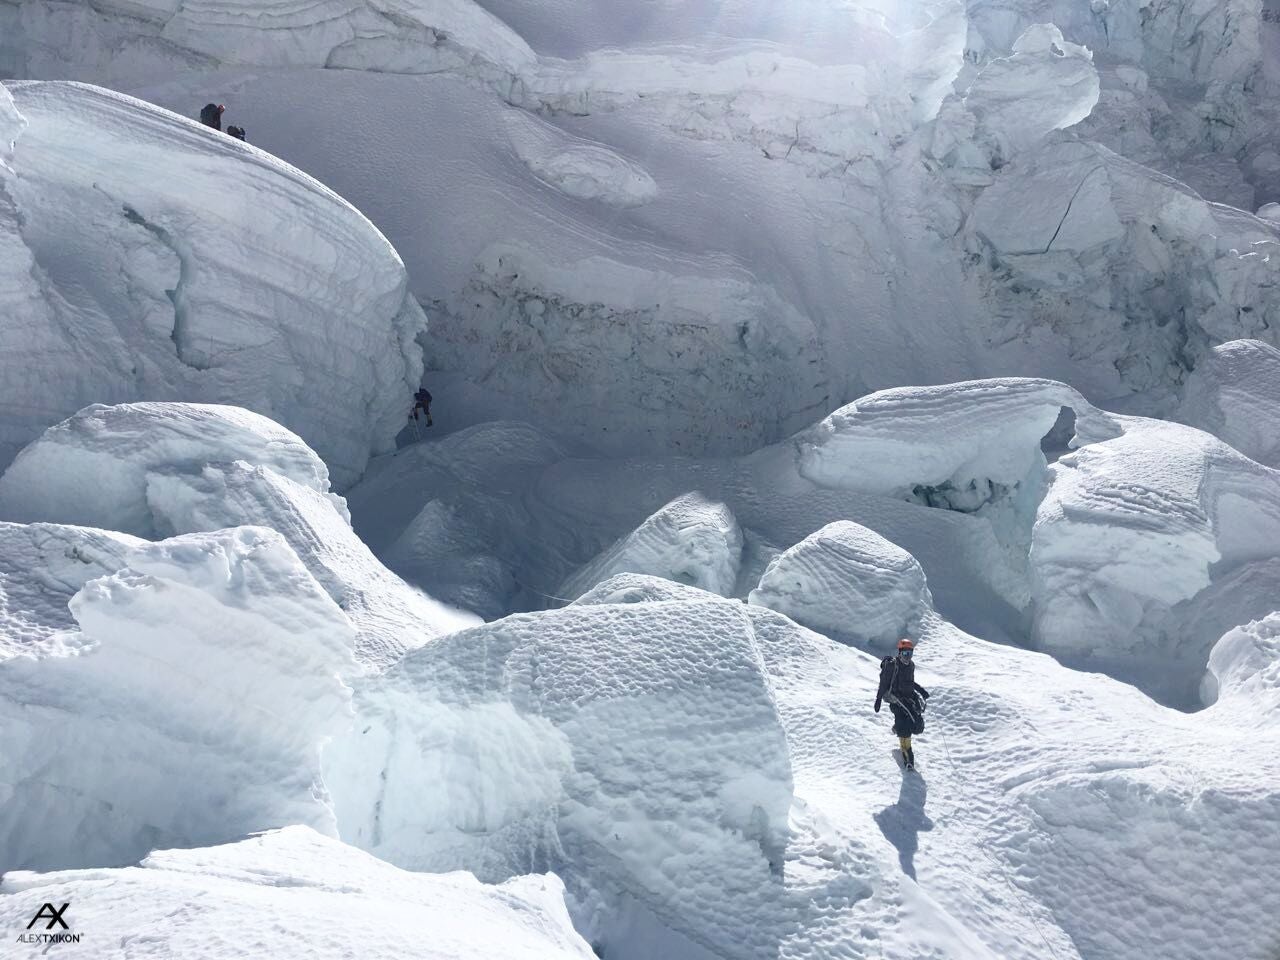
[237,132]
[422,401]
[211,115]
[906,698]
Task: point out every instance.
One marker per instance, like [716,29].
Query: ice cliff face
[152,259]
[708,241]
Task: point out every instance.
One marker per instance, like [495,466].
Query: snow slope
[152,259]
[297,888]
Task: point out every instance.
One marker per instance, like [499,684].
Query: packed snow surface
[151,258]
[297,890]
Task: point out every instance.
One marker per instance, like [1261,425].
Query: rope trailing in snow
[982,845]
[549,596]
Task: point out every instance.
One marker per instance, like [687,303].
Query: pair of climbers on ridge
[211,116]
[905,697]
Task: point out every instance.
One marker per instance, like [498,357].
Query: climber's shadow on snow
[903,822]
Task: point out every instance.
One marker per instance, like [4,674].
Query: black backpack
[210,116]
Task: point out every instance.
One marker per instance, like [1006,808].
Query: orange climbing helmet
[905,645]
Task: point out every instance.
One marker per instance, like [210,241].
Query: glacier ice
[188,707]
[737,220]
[1234,393]
[632,748]
[153,260]
[1130,537]
[161,469]
[698,247]
[292,887]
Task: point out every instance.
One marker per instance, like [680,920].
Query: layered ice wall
[152,258]
[721,223]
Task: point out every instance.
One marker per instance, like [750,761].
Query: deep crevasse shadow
[902,822]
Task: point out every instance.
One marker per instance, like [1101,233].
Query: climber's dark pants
[907,720]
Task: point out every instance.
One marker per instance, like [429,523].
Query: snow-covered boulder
[294,886]
[691,540]
[92,468]
[1134,537]
[1234,393]
[188,708]
[634,749]
[154,259]
[847,582]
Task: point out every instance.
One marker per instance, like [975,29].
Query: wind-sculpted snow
[162,469]
[390,616]
[847,582]
[92,468]
[1234,393]
[1244,671]
[294,889]
[1135,536]
[578,168]
[690,540]
[633,749]
[154,259]
[188,708]
[968,436]
[42,566]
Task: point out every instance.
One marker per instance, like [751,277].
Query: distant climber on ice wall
[905,697]
[422,401]
[237,132]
